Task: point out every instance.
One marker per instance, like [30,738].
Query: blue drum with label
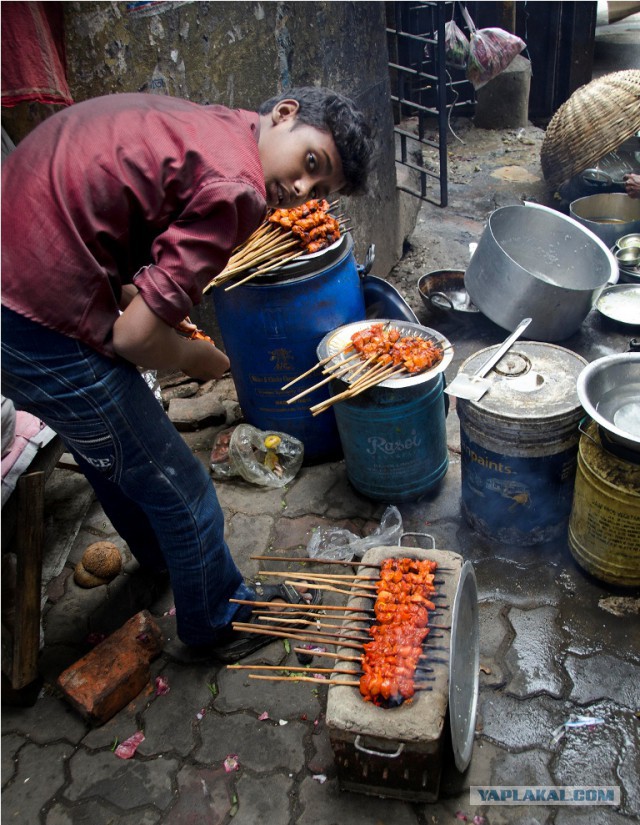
[519,444]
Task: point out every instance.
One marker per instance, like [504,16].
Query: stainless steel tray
[335,341]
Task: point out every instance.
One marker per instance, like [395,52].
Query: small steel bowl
[627,241]
[628,256]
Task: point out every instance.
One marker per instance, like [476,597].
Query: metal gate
[424,92]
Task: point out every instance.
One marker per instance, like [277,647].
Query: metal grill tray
[335,341]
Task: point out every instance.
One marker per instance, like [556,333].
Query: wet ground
[555,644]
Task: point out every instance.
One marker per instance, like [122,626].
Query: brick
[105,680]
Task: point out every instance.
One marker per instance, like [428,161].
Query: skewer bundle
[391,649]
[283,236]
[378,353]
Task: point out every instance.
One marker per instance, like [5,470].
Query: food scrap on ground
[128,748]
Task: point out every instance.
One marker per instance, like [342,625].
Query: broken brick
[105,680]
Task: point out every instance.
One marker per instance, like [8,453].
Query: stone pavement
[554,642]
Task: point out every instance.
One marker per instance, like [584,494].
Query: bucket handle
[422,535]
[584,432]
[444,301]
[371,752]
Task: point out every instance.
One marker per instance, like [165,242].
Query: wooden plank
[29,547]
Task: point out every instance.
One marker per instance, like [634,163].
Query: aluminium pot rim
[616,434]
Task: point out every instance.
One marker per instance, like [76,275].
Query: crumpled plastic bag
[263,457]
[456,46]
[490,52]
[338,544]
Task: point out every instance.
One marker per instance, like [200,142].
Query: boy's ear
[284,110]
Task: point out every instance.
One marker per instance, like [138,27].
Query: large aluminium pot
[609,215]
[534,262]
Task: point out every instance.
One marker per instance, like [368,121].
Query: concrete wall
[239,54]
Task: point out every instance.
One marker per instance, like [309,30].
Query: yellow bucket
[604,526]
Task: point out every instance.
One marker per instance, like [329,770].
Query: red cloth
[128,188]
[33,57]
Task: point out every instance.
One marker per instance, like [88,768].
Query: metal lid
[532,380]
[335,341]
[464,664]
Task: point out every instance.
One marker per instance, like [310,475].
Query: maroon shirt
[128,188]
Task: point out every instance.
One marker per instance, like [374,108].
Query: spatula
[473,387]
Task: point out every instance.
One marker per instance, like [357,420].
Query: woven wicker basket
[595,120]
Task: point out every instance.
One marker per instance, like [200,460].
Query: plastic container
[271,328]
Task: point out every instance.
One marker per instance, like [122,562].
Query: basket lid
[464,664]
[595,120]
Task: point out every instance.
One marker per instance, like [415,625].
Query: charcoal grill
[399,752]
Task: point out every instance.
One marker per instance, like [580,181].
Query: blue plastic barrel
[395,440]
[393,435]
[270,329]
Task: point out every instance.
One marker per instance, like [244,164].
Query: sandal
[242,644]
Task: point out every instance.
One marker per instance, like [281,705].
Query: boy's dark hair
[335,113]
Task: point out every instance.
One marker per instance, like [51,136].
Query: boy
[116,213]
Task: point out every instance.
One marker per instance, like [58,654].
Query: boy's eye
[311,160]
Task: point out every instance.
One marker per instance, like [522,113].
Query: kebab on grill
[401,625]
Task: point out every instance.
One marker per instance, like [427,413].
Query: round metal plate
[335,341]
[621,303]
[464,663]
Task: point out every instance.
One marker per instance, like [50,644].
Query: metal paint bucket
[393,435]
[604,527]
[519,444]
[271,328]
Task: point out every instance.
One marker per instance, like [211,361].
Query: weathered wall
[239,54]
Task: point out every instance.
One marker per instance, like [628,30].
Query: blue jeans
[157,494]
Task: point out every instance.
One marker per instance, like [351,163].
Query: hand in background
[632,185]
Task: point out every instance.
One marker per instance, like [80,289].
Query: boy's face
[299,161]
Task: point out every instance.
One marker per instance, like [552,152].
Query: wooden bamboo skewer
[391,372]
[283,259]
[311,669]
[328,578]
[265,253]
[303,607]
[320,363]
[336,682]
[302,638]
[358,563]
[252,628]
[293,668]
[338,371]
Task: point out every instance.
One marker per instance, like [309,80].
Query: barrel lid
[532,380]
[337,340]
[309,263]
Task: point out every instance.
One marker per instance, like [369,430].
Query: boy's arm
[141,337]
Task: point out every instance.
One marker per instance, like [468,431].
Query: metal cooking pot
[609,391]
[534,262]
[608,215]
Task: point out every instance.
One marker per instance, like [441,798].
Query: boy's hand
[141,337]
